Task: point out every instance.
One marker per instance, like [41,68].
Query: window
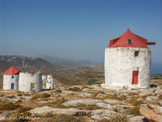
[136,53]
[12,77]
[129,41]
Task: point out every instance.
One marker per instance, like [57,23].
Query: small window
[12,77]
[129,41]
[136,53]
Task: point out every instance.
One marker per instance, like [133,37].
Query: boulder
[85,95]
[81,101]
[100,96]
[46,109]
[151,98]
[110,101]
[151,112]
[105,106]
[137,119]
[145,92]
[99,114]
[160,102]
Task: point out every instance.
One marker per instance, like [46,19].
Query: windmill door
[135,77]
[12,85]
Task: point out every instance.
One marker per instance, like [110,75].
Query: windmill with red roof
[128,62]
[11,78]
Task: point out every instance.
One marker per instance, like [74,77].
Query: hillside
[34,64]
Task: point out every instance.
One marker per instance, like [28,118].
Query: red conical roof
[12,71]
[129,39]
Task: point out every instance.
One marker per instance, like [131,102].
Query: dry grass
[58,103]
[119,118]
[5,105]
[132,93]
[48,115]
[20,117]
[24,109]
[115,118]
[134,110]
[160,97]
[58,91]
[114,97]
[76,89]
[88,107]
[135,102]
[65,118]
[41,95]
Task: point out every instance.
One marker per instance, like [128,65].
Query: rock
[137,119]
[124,107]
[99,114]
[78,86]
[46,109]
[67,92]
[81,101]
[145,92]
[160,102]
[104,106]
[86,95]
[10,96]
[159,91]
[100,96]
[151,98]
[110,101]
[86,89]
[151,112]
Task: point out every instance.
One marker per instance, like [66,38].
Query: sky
[76,29]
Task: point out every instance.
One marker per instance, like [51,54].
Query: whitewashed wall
[50,82]
[7,80]
[120,63]
[44,77]
[26,79]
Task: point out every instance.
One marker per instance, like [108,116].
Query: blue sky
[76,29]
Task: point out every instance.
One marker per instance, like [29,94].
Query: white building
[30,82]
[50,82]
[127,62]
[44,77]
[11,78]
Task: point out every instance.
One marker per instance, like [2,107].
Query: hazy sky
[76,29]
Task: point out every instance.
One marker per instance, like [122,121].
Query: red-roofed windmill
[127,62]
[11,78]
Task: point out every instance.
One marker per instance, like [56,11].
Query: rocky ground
[81,104]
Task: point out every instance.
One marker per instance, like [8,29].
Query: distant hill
[68,63]
[57,66]
[33,64]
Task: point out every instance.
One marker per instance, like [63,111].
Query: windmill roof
[129,39]
[12,71]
